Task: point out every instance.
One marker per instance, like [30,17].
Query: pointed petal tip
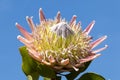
[89,28]
[27,17]
[73,20]
[105,36]
[18,26]
[98,41]
[95,56]
[75,16]
[30,22]
[58,16]
[21,39]
[16,23]
[40,9]
[93,21]
[101,49]
[89,58]
[106,46]
[18,37]
[41,15]
[25,33]
[98,55]
[58,12]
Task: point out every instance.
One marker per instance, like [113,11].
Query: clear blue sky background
[105,12]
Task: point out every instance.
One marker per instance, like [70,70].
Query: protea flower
[61,45]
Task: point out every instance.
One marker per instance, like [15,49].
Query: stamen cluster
[62,45]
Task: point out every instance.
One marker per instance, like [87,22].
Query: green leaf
[46,71]
[47,78]
[73,74]
[28,64]
[91,76]
[57,78]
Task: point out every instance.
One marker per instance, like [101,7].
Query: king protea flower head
[62,45]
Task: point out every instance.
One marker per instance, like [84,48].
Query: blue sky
[106,13]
